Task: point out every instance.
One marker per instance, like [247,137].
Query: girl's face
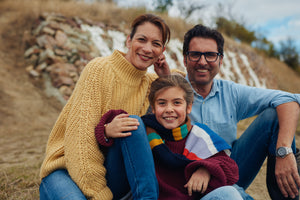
[145,47]
[170,107]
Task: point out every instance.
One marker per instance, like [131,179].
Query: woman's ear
[128,42]
[189,108]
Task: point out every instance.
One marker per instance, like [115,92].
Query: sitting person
[74,167]
[191,162]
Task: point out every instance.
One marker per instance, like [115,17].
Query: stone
[32,50]
[46,41]
[61,38]
[65,90]
[62,80]
[48,30]
[41,67]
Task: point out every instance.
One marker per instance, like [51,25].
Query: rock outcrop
[58,48]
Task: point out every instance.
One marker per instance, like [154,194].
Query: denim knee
[270,122]
[225,192]
[59,185]
[141,128]
[136,117]
[270,114]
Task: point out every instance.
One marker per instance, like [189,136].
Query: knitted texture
[173,169]
[105,83]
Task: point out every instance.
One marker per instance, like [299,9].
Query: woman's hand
[121,126]
[198,181]
[161,66]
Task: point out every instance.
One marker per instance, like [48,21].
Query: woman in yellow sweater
[75,167]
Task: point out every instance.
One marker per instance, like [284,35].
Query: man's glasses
[195,56]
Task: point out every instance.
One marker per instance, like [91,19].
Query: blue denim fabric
[243,193]
[59,185]
[255,144]
[223,193]
[130,165]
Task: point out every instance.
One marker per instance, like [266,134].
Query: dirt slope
[26,118]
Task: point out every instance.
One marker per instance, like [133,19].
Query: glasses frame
[203,53]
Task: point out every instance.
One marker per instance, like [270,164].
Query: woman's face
[145,47]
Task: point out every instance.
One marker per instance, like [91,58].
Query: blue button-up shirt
[229,102]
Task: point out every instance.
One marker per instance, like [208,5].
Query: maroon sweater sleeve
[223,170]
[100,128]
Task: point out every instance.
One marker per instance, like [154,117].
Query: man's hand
[287,175]
[161,66]
[120,126]
[286,168]
[198,181]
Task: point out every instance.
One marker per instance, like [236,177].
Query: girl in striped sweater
[191,162]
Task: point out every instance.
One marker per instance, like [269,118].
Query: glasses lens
[194,56]
[211,56]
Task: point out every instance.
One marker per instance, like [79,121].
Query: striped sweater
[179,152]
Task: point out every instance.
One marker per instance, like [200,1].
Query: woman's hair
[203,32]
[169,81]
[155,20]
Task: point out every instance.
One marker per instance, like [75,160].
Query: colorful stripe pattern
[154,140]
[180,132]
[203,143]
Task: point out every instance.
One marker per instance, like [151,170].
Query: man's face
[202,73]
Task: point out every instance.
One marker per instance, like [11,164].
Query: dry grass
[27,11]
[20,182]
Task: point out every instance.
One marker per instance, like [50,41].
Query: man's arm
[286,168]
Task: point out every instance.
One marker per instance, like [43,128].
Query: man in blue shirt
[221,104]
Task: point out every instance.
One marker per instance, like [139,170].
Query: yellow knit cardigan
[105,83]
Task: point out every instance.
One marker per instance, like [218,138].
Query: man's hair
[169,81]
[203,32]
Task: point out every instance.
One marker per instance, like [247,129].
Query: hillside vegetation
[27,114]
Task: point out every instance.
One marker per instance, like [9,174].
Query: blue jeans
[255,144]
[222,193]
[130,167]
[59,185]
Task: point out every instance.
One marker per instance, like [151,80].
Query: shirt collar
[214,90]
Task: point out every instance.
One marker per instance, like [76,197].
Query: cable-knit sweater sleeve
[223,170]
[84,161]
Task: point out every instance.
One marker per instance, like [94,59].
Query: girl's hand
[121,126]
[198,181]
[161,66]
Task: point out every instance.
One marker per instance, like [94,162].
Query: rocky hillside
[58,48]
[41,57]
